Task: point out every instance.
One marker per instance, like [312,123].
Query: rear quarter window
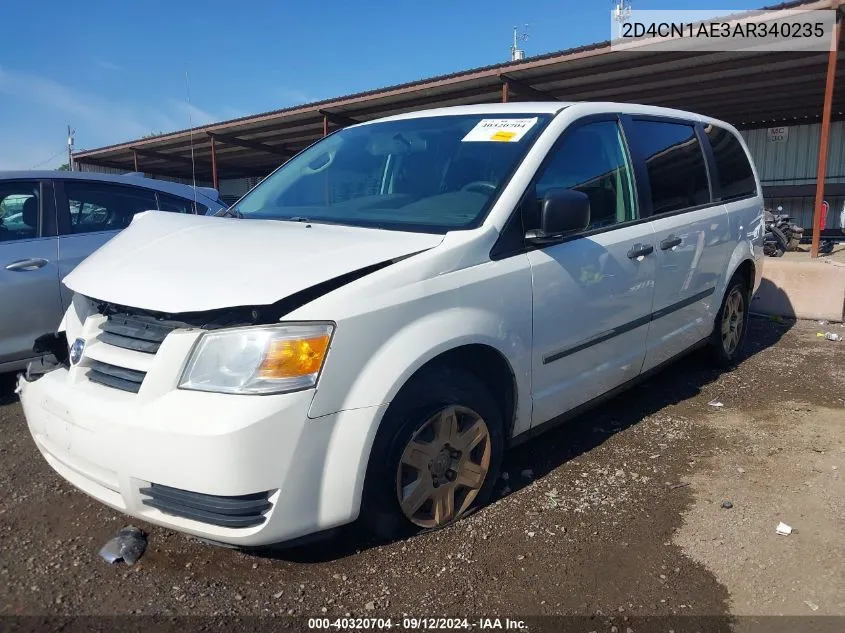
[734,172]
[175,204]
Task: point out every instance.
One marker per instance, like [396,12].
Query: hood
[169,262]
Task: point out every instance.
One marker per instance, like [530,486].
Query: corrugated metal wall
[111,170]
[795,161]
[230,189]
[802,210]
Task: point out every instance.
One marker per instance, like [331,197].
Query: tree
[63,167]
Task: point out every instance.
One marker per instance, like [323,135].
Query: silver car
[52,220]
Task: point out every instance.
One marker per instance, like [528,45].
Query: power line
[61,151]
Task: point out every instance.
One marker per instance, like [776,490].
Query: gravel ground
[616,514]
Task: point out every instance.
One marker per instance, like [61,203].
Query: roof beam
[339,119]
[785,116]
[230,139]
[478,94]
[524,89]
[617,73]
[202,174]
[719,81]
[758,107]
[176,158]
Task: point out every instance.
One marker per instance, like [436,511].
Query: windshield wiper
[297,218]
[231,212]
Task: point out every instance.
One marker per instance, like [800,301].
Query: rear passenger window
[675,164]
[592,159]
[104,207]
[736,178]
[176,205]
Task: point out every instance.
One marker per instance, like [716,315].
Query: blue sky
[116,70]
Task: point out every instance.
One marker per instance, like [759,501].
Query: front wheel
[436,456]
[731,323]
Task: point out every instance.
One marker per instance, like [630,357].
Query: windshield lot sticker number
[499,130]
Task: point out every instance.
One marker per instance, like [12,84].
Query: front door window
[592,159]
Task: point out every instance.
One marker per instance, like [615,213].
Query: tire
[399,467]
[773,249]
[782,242]
[731,326]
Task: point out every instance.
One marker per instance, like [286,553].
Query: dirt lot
[620,515]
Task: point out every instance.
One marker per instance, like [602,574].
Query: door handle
[640,250]
[670,242]
[23,265]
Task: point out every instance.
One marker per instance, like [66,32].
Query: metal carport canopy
[745,88]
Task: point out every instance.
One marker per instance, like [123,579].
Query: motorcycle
[781,234]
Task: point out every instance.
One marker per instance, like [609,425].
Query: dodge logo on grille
[76,350]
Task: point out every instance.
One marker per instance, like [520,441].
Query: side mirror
[562,211]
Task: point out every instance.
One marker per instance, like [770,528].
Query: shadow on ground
[681,381]
[7,388]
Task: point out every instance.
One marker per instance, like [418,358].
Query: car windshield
[430,174]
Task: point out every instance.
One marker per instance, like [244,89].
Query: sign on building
[778,134]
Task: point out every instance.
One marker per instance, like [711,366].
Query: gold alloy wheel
[732,321]
[443,467]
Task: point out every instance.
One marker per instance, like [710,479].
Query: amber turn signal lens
[292,358]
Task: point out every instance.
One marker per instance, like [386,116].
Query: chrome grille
[114,376]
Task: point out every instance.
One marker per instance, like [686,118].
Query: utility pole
[70,134]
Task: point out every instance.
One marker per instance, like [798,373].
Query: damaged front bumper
[37,368]
[242,470]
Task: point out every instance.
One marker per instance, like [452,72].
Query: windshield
[432,174]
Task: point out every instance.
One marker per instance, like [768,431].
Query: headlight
[258,360]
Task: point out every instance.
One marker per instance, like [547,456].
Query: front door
[29,277]
[592,292]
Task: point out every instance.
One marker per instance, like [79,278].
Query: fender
[381,339]
[748,227]
[746,250]
[389,368]
[392,365]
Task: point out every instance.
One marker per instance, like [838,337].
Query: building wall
[111,170]
[232,189]
[802,210]
[795,161]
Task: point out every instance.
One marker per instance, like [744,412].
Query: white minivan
[382,316]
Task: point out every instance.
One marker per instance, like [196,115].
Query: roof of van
[543,107]
[521,107]
[175,188]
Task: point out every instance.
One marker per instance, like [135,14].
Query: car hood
[174,263]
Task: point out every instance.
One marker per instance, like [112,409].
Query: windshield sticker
[499,130]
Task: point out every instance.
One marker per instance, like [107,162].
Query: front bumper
[113,446]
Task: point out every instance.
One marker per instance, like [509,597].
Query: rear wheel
[436,456]
[731,323]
